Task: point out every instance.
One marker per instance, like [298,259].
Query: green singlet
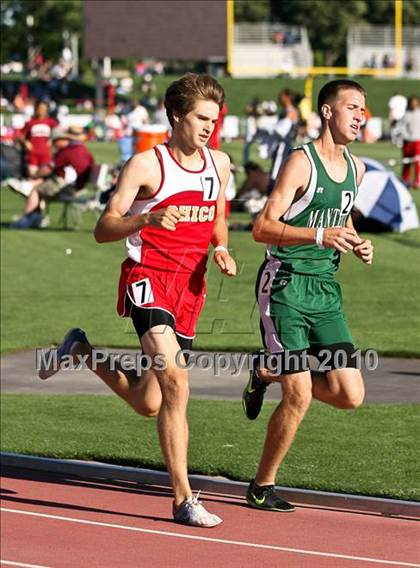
[298,297]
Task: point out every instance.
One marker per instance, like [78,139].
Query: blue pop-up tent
[384,198]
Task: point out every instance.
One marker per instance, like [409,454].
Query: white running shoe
[191,512]
[24,187]
[44,223]
[50,362]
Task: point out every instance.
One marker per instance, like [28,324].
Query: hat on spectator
[71,133]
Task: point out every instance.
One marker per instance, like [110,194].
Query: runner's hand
[342,239]
[225,262]
[364,251]
[164,218]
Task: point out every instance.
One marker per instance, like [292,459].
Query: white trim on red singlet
[162,177]
[202,155]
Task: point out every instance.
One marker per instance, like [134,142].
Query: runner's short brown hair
[330,91]
[182,94]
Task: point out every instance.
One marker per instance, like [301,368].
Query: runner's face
[198,125]
[42,110]
[347,114]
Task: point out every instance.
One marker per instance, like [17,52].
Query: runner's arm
[141,171]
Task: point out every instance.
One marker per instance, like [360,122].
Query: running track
[60,521]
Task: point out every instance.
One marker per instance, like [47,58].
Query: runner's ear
[326,111]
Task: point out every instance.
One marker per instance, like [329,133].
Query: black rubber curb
[220,486]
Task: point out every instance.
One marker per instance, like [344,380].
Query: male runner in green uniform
[307,225]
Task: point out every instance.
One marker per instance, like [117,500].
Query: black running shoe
[265,497]
[253,395]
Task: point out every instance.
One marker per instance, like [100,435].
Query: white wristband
[221,248]
[319,237]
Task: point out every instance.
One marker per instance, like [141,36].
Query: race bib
[347,200]
[142,292]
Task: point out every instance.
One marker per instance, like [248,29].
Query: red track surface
[97,524]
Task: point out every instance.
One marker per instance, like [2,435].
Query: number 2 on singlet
[347,199]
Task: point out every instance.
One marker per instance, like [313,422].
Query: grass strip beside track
[370,451]
[45,291]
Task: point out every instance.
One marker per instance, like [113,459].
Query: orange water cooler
[149,136]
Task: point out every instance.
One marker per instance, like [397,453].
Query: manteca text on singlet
[331,217]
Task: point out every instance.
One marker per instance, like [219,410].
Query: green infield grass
[370,451]
[45,291]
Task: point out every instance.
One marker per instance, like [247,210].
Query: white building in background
[266,50]
[373,47]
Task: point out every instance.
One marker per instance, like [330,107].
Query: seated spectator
[71,152]
[253,190]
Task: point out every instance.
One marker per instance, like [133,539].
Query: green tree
[252,11]
[382,12]
[37,23]
[326,22]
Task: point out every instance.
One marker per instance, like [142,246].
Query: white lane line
[10,563]
[208,539]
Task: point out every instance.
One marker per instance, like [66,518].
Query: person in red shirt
[71,152]
[36,137]
[214,140]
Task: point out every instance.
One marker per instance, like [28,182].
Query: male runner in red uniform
[36,136]
[169,206]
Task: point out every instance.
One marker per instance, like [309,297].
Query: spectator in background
[373,61]
[278,38]
[36,137]
[365,134]
[136,119]
[215,140]
[159,67]
[286,130]
[148,91]
[410,127]
[289,101]
[254,187]
[71,152]
[254,112]
[160,116]
[409,62]
[397,106]
[133,121]
[387,62]
[140,68]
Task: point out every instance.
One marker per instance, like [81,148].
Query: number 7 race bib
[142,292]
